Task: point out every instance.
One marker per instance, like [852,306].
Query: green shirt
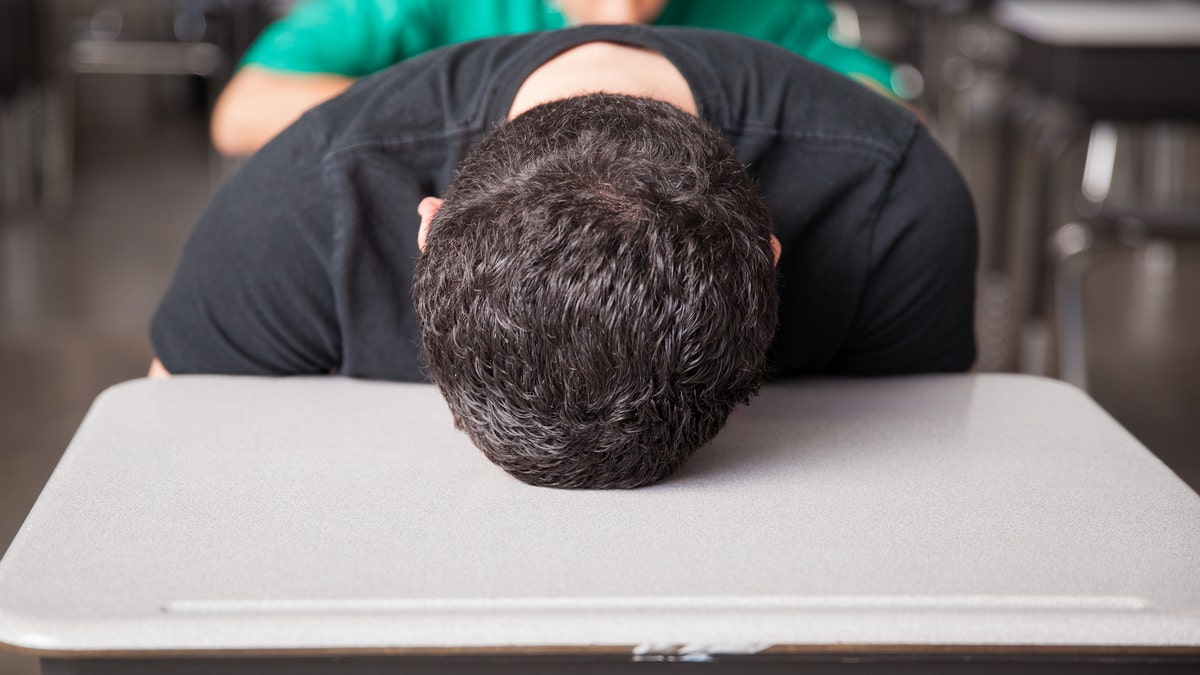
[357,38]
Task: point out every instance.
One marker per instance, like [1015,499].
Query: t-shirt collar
[710,102]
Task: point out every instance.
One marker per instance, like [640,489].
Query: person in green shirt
[322,46]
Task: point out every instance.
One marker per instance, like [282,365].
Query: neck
[605,67]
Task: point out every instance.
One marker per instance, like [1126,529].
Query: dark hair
[597,292]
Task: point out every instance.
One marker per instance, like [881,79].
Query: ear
[427,209]
[776,248]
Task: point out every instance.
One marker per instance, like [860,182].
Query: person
[322,46]
[595,294]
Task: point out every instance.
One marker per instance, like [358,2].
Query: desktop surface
[209,515]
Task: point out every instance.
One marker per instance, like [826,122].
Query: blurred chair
[201,38]
[1077,246]
[1085,67]
[21,106]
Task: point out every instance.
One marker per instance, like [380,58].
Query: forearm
[258,103]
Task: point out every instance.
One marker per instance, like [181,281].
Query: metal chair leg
[1070,248]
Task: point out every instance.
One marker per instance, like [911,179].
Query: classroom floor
[76,296]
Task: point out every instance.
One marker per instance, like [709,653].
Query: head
[597,292]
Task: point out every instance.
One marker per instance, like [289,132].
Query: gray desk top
[1103,23]
[211,513]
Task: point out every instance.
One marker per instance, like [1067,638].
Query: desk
[1127,61]
[1115,58]
[329,525]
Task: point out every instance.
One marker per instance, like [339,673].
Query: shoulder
[758,88]
[445,90]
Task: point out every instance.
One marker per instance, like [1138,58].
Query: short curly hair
[598,291]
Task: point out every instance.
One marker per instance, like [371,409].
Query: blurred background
[1075,124]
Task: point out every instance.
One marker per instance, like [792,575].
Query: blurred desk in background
[973,523]
[178,38]
[1085,66]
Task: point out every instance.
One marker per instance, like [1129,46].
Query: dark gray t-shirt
[303,261]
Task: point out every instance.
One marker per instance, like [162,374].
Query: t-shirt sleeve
[916,311]
[346,37]
[252,293]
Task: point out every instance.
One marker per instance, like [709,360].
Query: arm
[259,102]
[251,294]
[916,312]
[311,55]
